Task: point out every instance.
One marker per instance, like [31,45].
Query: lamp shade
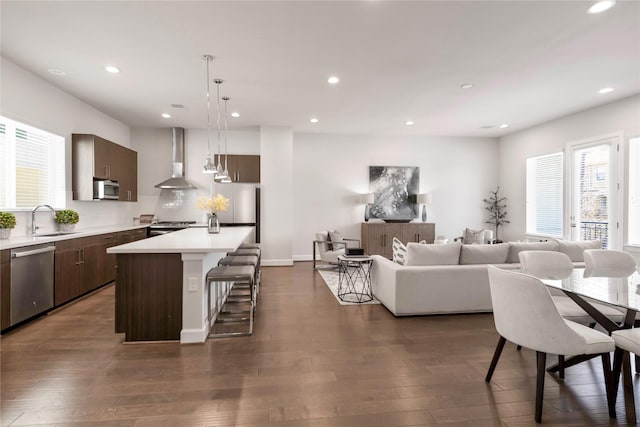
[367,198]
[424,198]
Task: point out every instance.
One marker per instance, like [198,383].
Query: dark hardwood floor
[310,362]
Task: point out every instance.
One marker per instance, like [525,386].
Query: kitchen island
[160,285]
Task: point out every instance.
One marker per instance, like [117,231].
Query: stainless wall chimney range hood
[177,180]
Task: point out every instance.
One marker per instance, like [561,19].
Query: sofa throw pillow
[484,254]
[443,254]
[399,251]
[516,247]
[473,237]
[335,236]
[575,250]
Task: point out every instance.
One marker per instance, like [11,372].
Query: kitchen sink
[57,233]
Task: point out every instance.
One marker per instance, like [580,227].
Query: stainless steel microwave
[106,189]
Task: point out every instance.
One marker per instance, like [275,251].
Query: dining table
[585,287]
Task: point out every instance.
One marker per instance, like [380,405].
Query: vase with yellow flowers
[212,206]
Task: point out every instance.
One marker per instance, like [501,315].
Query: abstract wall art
[395,188]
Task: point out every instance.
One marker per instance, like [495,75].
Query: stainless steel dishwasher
[32,277]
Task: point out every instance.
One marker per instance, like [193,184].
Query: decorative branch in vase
[497,207]
[212,206]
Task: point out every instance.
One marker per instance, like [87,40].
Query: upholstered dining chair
[329,250]
[557,265]
[627,342]
[609,263]
[525,314]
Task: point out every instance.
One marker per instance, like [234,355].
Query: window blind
[634,192]
[31,166]
[545,194]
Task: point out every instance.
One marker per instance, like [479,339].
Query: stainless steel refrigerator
[244,206]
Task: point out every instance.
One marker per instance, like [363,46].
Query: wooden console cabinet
[377,237]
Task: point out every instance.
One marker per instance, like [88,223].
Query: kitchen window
[544,195]
[32,168]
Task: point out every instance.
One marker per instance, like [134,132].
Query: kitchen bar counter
[28,240]
[160,286]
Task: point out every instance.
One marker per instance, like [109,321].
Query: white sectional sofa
[452,278]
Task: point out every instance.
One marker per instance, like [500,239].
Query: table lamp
[423,199]
[367,199]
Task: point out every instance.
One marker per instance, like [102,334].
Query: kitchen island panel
[149,296]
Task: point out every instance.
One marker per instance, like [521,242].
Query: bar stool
[245,257]
[250,246]
[218,277]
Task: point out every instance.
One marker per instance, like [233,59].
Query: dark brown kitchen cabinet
[5,288]
[94,157]
[243,168]
[74,261]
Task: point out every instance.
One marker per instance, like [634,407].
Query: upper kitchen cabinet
[243,168]
[94,158]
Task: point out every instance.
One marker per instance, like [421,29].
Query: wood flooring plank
[310,362]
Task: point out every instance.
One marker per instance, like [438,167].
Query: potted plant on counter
[7,222]
[67,219]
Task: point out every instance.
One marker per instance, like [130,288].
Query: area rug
[330,277]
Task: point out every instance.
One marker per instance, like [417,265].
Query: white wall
[154,148]
[33,101]
[620,116]
[331,170]
[277,197]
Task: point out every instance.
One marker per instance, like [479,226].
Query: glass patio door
[594,195]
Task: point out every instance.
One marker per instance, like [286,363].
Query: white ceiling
[529,61]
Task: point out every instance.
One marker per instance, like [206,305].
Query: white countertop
[189,240]
[19,241]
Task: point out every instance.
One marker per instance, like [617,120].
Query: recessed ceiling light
[409,123]
[601,6]
[313,120]
[333,80]
[166,115]
[177,106]
[57,72]
[487,127]
[504,125]
[235,114]
[466,86]
[112,69]
[606,90]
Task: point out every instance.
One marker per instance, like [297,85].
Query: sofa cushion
[399,251]
[473,237]
[575,250]
[516,247]
[484,254]
[335,236]
[443,254]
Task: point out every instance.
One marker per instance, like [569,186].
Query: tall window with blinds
[545,195]
[31,166]
[634,192]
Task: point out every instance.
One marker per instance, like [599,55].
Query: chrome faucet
[33,216]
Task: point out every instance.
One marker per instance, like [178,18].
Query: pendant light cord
[208,58]
[217,81]
[226,131]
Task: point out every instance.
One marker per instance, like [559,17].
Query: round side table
[354,279]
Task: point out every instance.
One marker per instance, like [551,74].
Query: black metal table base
[354,280]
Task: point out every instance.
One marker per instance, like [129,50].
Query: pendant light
[218,82]
[209,166]
[226,179]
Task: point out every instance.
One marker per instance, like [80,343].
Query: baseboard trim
[276,262]
[303,257]
[190,336]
